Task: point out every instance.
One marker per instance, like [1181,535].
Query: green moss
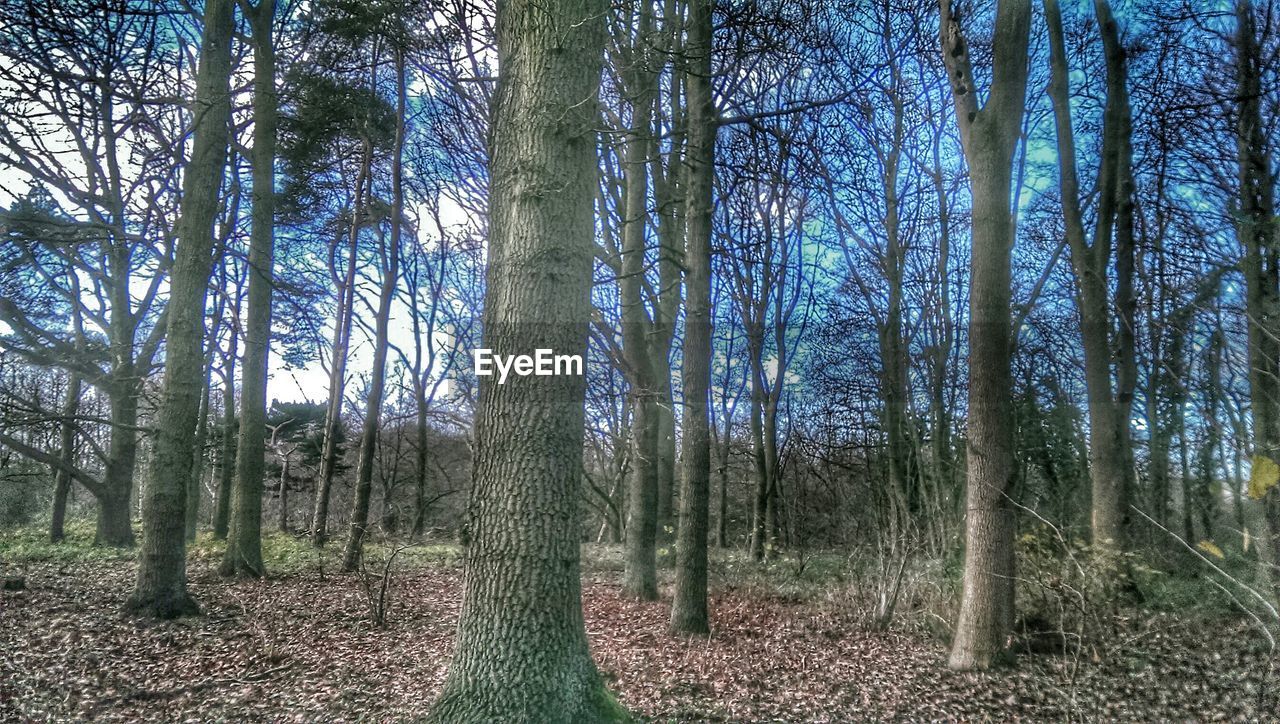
[608,708]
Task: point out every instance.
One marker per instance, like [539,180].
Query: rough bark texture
[114,525]
[377,381]
[989,135]
[161,589]
[243,556]
[1261,262]
[522,651]
[689,607]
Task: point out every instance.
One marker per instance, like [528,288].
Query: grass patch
[31,544]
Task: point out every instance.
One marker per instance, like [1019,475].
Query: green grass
[282,554]
[31,544]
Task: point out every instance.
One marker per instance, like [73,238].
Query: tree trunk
[243,556]
[114,524]
[989,136]
[227,457]
[161,589]
[338,366]
[760,508]
[640,578]
[689,607]
[67,453]
[377,382]
[1261,263]
[284,494]
[521,652]
[420,459]
[197,454]
[1110,471]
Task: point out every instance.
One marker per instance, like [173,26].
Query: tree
[390,272]
[1110,448]
[640,578]
[1255,228]
[689,607]
[243,555]
[989,135]
[90,71]
[161,589]
[521,651]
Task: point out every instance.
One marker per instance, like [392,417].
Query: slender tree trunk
[197,453]
[243,556]
[338,367]
[67,453]
[284,494]
[640,578]
[1110,470]
[227,458]
[722,470]
[420,460]
[689,607]
[161,589]
[989,136]
[377,382]
[760,509]
[521,652]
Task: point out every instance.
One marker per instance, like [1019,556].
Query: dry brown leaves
[301,648]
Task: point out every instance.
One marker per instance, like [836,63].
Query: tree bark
[243,556]
[1261,262]
[522,651]
[161,589]
[689,607]
[989,136]
[640,577]
[227,457]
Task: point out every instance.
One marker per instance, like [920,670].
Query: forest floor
[789,644]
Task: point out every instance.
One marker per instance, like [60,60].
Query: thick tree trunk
[377,381]
[114,523]
[243,556]
[521,651]
[1261,262]
[689,607]
[161,589]
[989,136]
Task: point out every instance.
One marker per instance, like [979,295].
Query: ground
[302,646]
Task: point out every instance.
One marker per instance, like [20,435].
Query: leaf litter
[302,647]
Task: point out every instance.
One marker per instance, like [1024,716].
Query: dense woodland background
[973,304]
